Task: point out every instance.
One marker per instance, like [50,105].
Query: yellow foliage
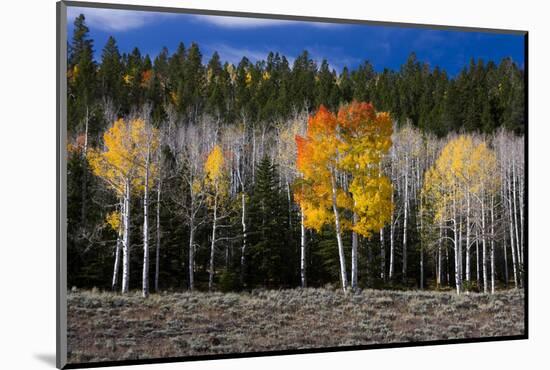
[216,174]
[366,138]
[463,169]
[113,220]
[127,79]
[127,144]
[174,97]
[352,143]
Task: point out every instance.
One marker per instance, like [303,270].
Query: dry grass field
[106,326]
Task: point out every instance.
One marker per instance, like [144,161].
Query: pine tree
[270,248]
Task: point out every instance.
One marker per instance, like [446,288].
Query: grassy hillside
[106,326]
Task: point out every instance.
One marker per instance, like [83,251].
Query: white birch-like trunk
[126,240]
[460,266]
[243,247]
[405,217]
[421,249]
[157,254]
[84,195]
[505,252]
[456,239]
[478,277]
[253,155]
[117,254]
[191,254]
[145,275]
[512,241]
[439,277]
[457,269]
[382,256]
[213,243]
[492,245]
[483,245]
[303,276]
[516,234]
[520,199]
[343,274]
[467,236]
[392,245]
[382,246]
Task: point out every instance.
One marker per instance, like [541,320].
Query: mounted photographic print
[234,184]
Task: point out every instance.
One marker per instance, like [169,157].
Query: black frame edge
[61,347]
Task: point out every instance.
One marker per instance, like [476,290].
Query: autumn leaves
[127,165]
[342,184]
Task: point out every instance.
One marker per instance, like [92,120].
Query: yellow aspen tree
[366,138]
[217,185]
[113,219]
[118,166]
[465,169]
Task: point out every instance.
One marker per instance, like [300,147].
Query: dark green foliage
[272,246]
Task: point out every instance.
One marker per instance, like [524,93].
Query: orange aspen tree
[349,146]
[366,138]
[317,192]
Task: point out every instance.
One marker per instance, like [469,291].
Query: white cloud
[240,22]
[124,20]
[114,19]
[234,55]
[243,22]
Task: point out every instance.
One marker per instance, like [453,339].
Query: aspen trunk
[382,246]
[126,240]
[302,250]
[382,256]
[512,243]
[514,193]
[157,256]
[392,249]
[421,249]
[478,277]
[467,237]
[213,245]
[492,246]
[243,247]
[439,277]
[520,199]
[405,216]
[460,267]
[506,274]
[447,267]
[457,269]
[84,205]
[191,254]
[458,257]
[484,247]
[343,274]
[145,279]
[117,254]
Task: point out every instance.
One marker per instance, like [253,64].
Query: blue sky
[341,44]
